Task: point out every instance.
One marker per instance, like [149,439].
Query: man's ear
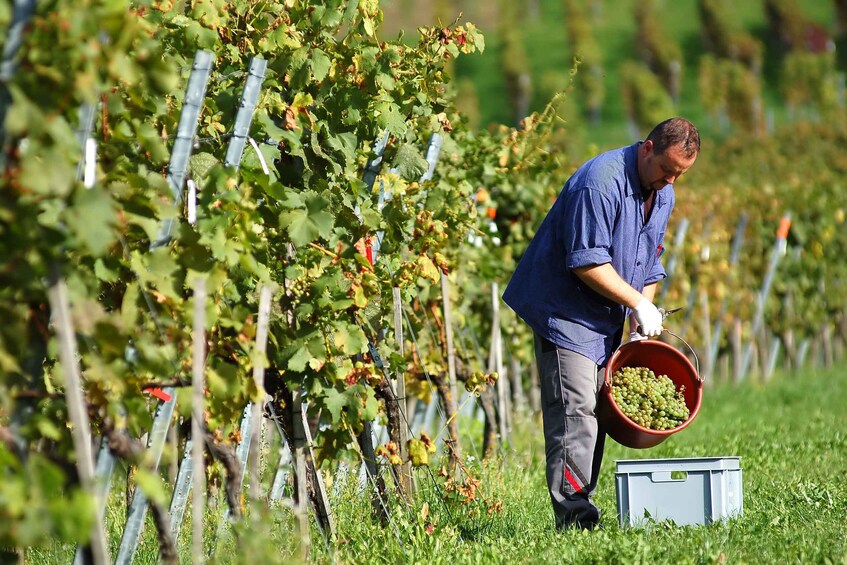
[647,147]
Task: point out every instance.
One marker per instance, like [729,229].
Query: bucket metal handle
[691,349]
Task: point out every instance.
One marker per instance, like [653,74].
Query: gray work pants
[570,384]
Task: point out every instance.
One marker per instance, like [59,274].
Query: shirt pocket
[648,253]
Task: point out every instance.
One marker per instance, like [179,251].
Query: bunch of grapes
[477,381]
[648,400]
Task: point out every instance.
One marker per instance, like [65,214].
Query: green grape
[649,400]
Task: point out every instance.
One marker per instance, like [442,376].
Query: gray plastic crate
[698,490]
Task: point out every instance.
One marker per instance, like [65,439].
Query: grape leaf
[409,162]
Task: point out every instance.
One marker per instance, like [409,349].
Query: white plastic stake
[90,170]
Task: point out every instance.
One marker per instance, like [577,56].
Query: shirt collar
[634,184]
[630,158]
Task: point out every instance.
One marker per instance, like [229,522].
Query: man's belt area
[547,345]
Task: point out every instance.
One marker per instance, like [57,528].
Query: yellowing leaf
[427,269]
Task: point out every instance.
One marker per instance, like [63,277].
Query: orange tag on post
[784,226]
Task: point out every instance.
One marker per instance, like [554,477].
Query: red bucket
[662,359]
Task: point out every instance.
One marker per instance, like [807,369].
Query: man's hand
[649,318]
[635,336]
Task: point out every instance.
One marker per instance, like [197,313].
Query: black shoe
[589,525]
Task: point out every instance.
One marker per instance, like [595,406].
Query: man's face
[656,171]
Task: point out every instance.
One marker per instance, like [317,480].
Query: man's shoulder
[605,171]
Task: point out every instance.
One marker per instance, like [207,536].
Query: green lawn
[792,440]
[791,436]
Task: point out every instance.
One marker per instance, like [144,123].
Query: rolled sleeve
[586,228]
[656,274]
[587,257]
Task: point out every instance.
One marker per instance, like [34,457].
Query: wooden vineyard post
[495,363]
[773,355]
[535,388]
[259,380]
[77,408]
[323,512]
[308,484]
[406,480]
[195,94]
[301,495]
[452,398]
[198,404]
[737,349]
[105,459]
[395,397]
[366,444]
[705,255]
[706,330]
[518,396]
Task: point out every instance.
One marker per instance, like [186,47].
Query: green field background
[613,24]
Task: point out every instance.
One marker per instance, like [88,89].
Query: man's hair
[676,132]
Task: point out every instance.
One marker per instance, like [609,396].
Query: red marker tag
[369,252]
[160,394]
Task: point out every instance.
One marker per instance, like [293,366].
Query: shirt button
[638,264]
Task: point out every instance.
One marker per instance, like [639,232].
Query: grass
[791,439]
[791,436]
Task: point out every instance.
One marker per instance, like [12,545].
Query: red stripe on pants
[572,480]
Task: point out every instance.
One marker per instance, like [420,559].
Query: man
[594,260]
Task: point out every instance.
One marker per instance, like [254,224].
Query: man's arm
[604,280]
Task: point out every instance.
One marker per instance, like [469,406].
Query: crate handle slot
[668,476]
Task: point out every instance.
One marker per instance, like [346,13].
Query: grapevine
[307,227]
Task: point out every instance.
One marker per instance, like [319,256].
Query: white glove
[649,318]
[635,336]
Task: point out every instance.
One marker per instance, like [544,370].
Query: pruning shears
[666,313]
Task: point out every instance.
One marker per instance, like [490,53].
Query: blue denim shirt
[598,218]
